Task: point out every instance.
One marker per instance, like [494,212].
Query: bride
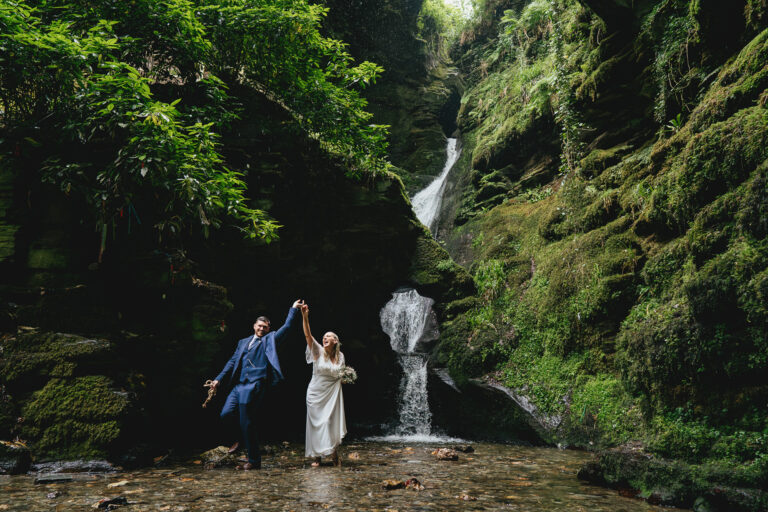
[326,423]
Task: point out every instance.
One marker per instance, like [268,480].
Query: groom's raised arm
[290,321]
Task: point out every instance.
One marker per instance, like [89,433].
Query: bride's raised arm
[307,333]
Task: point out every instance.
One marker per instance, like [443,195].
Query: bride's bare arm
[305,324]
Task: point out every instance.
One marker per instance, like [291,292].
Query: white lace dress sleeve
[313,354]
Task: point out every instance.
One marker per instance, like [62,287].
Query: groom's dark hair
[263,319]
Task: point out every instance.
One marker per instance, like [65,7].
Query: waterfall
[426,203]
[408,319]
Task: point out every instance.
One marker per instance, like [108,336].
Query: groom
[253,369]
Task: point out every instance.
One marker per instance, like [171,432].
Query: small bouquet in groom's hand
[347,374]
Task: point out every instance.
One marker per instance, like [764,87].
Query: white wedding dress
[326,423]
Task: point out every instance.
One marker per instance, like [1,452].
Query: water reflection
[495,477]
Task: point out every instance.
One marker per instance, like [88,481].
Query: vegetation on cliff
[621,270]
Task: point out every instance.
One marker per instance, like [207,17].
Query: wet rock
[57,478]
[111,503]
[393,484]
[446,454]
[14,458]
[219,457]
[504,419]
[270,449]
[53,495]
[74,466]
[464,449]
[160,460]
[592,473]
[414,485]
[670,483]
[353,456]
[466,497]
[53,479]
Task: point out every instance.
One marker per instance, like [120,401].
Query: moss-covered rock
[435,273]
[15,458]
[32,357]
[715,486]
[75,418]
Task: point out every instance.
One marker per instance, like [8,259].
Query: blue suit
[251,381]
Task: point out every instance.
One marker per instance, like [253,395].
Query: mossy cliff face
[108,360]
[610,205]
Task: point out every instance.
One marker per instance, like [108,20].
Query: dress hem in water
[327,452]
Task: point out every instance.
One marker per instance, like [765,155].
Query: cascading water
[426,203]
[407,319]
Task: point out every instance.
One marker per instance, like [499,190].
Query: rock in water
[446,454]
[111,503]
[464,449]
[219,457]
[14,458]
[414,485]
[393,484]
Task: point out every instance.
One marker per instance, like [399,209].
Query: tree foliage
[81,79]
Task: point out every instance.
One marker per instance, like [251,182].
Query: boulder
[15,458]
[219,457]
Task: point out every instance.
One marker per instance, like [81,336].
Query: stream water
[407,320]
[426,203]
[494,477]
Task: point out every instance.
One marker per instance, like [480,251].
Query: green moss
[602,407]
[721,486]
[601,159]
[44,258]
[74,418]
[632,298]
[37,355]
[434,272]
[712,162]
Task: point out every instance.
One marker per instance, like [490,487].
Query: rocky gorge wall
[608,204]
[108,360]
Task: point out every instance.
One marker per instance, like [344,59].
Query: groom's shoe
[234,447]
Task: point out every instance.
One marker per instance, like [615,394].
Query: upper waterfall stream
[426,203]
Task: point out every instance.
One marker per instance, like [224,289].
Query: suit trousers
[245,400]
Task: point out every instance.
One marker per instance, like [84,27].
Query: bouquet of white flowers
[347,374]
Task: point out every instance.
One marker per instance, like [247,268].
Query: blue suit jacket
[231,371]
